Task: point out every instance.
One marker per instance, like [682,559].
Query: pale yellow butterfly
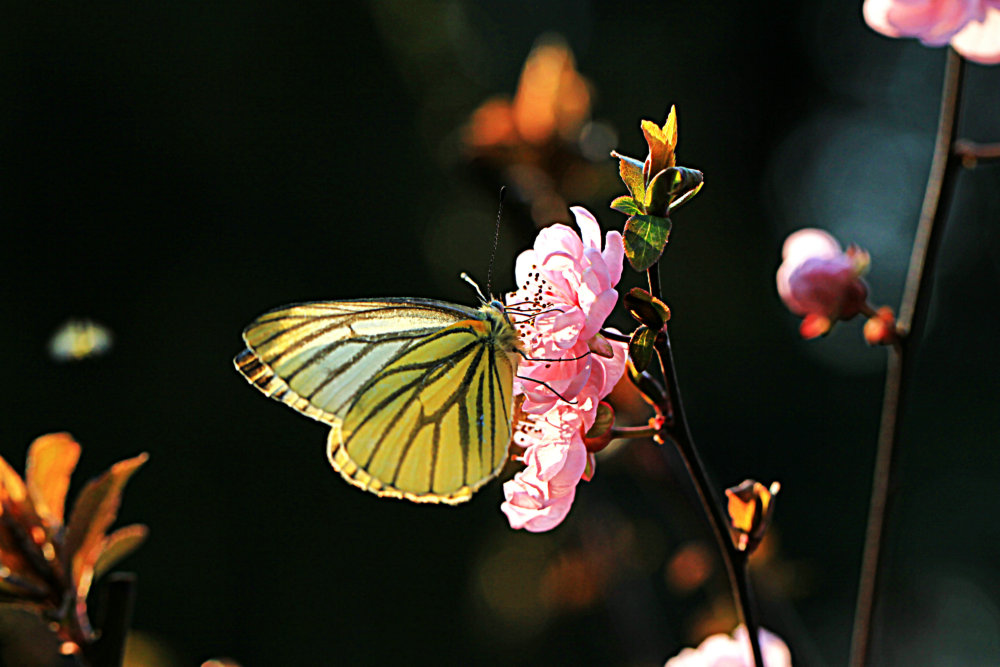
[79,339]
[417,392]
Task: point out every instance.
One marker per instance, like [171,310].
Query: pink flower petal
[599,311]
[876,13]
[614,254]
[590,230]
[980,42]
[534,520]
[596,273]
[734,651]
[933,22]
[972,26]
[558,238]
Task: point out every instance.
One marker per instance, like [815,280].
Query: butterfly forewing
[315,356]
[418,392]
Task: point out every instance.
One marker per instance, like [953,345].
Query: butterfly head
[502,330]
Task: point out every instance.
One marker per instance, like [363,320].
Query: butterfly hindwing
[434,424]
[417,392]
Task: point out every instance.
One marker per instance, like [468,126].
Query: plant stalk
[678,431]
[912,317]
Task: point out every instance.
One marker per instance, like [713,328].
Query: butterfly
[79,339]
[417,392]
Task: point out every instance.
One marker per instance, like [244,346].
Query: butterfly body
[417,392]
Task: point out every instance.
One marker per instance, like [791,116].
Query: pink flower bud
[972,26]
[880,329]
[820,282]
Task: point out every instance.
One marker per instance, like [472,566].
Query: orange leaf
[100,559]
[11,483]
[51,460]
[95,510]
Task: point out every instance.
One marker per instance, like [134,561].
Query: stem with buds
[676,429]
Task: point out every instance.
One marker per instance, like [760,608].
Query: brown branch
[912,316]
[679,433]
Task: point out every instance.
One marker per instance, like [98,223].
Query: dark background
[173,170]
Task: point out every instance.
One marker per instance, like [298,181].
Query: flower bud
[750,508]
[599,435]
[880,329]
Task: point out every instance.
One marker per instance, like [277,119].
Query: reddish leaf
[95,510]
[646,308]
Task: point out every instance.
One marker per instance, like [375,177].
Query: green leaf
[686,180]
[646,308]
[645,236]
[668,184]
[630,170]
[627,205]
[640,348]
[687,195]
[660,192]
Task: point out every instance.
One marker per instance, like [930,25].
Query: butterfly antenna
[467,278]
[496,239]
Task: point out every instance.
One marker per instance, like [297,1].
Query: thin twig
[679,432]
[912,316]
[633,432]
[974,154]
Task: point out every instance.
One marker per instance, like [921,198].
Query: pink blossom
[566,289]
[820,282]
[725,651]
[539,497]
[972,26]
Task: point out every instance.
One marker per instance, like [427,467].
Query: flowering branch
[656,186]
[912,315]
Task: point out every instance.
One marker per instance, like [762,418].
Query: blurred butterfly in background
[79,339]
[417,392]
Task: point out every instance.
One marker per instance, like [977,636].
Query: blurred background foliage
[173,170]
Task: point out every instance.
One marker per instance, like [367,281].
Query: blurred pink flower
[725,651]
[566,289]
[972,26]
[539,497]
[820,282]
